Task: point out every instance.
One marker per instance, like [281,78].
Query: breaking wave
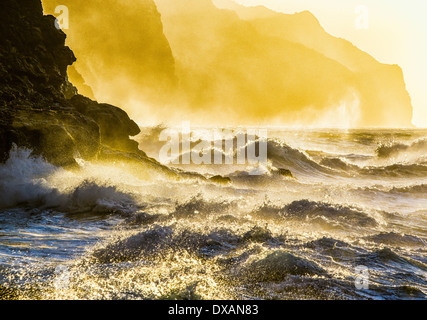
[328,214]
[299,229]
[29,181]
[418,147]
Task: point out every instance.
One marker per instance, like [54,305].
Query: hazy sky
[396,34]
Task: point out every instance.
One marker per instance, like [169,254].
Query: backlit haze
[217,67]
[396,35]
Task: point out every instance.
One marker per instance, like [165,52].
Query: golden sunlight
[254,65]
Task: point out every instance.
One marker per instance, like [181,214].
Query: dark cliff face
[34,58]
[39,108]
[123,54]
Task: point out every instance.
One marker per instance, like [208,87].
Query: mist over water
[232,65]
[351,199]
[327,214]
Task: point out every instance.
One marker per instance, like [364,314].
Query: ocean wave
[277,237]
[337,163]
[326,243]
[339,250]
[282,159]
[30,181]
[401,161]
[397,170]
[414,150]
[149,140]
[137,246]
[327,216]
[392,160]
[277,265]
[339,213]
[388,257]
[269,211]
[157,240]
[197,206]
[418,188]
[23,180]
[298,162]
[393,171]
[403,292]
[396,239]
[392,149]
[94,198]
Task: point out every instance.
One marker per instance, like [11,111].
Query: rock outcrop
[123,54]
[39,108]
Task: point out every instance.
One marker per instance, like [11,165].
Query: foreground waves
[329,204]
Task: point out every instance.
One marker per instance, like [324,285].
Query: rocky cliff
[384,100]
[251,67]
[39,107]
[254,65]
[191,60]
[123,54]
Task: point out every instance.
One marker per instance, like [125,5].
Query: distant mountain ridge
[190,60]
[376,80]
[40,108]
[291,67]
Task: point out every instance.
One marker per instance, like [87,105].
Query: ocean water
[349,222]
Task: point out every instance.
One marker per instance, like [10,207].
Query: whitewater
[334,214]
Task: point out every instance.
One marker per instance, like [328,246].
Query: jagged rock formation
[381,87]
[259,66]
[253,67]
[239,66]
[123,53]
[39,108]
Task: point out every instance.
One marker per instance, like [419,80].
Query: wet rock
[40,108]
[285,172]
[277,265]
[220,179]
[138,246]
